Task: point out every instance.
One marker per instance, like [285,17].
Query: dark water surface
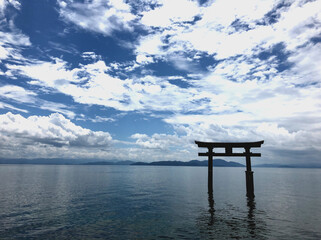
[153,202]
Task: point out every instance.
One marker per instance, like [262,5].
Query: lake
[157,202]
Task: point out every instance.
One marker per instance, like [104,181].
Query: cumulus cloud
[280,144]
[98,16]
[151,45]
[158,141]
[93,84]
[226,29]
[29,135]
[263,81]
[88,84]
[232,101]
[143,59]
[166,13]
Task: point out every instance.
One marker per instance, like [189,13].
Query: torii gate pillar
[249,175]
[229,153]
[210,170]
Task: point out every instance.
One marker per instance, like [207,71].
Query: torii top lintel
[229,148]
[229,144]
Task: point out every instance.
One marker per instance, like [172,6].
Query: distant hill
[216,163]
[109,163]
[275,165]
[43,161]
[58,161]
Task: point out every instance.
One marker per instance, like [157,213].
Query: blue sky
[141,80]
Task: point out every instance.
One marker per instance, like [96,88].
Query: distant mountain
[223,163]
[216,163]
[57,161]
[44,161]
[275,165]
[109,163]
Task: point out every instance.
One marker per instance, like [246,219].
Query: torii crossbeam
[229,153]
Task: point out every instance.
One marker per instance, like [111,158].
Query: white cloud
[88,84]
[12,39]
[92,84]
[241,98]
[300,23]
[150,45]
[98,15]
[160,147]
[20,95]
[97,119]
[15,37]
[103,119]
[277,139]
[5,3]
[52,73]
[156,141]
[167,13]
[280,145]
[90,55]
[230,106]
[222,13]
[143,59]
[11,44]
[4,53]
[9,106]
[214,33]
[307,68]
[41,135]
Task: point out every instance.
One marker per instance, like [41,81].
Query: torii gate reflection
[229,153]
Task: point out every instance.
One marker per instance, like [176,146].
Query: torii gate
[229,153]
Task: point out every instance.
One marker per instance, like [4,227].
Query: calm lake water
[154,202]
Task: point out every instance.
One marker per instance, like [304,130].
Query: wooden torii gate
[229,153]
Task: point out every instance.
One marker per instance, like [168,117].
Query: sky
[143,79]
